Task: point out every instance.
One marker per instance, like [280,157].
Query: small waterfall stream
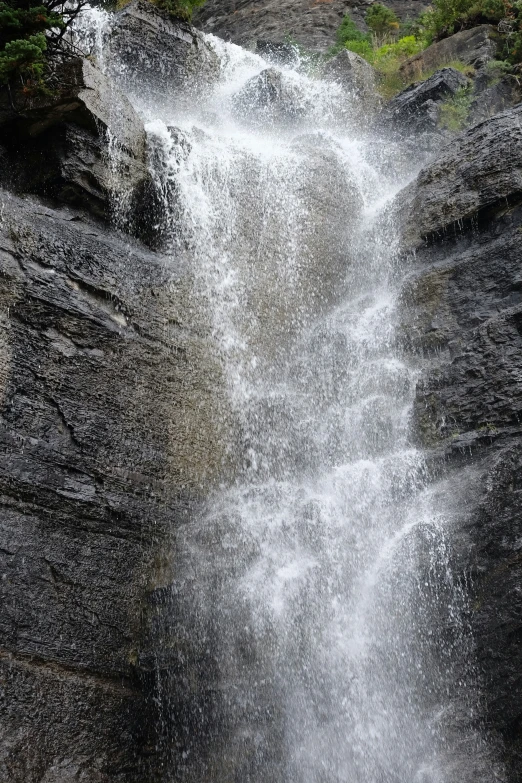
[314,591]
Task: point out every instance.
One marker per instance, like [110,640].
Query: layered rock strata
[106,398]
[463,315]
[109,430]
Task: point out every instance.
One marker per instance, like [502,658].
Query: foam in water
[315,590]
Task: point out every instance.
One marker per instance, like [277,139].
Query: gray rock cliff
[463,315]
[311,23]
[100,371]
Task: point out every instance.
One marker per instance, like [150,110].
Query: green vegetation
[30,32]
[381,20]
[383,45]
[388,44]
[454,112]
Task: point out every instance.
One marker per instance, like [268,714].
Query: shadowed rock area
[464,316]
[101,456]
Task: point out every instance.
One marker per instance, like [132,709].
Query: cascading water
[323,631]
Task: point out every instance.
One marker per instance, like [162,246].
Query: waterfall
[319,632]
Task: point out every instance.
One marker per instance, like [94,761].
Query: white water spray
[314,592]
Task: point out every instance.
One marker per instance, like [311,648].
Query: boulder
[149,49]
[472,47]
[475,172]
[268,99]
[416,108]
[494,98]
[356,75]
[80,145]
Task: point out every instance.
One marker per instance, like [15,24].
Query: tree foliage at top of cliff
[31,33]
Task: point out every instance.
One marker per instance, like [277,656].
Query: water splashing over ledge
[319,635]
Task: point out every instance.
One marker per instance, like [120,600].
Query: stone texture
[164,57]
[356,75]
[480,169]
[107,438]
[473,47]
[311,23]
[64,143]
[269,99]
[494,98]
[462,313]
[416,109]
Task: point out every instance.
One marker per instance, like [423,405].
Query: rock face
[495,97]
[463,312]
[473,47]
[311,23]
[63,141]
[356,75]
[101,456]
[480,169]
[417,108]
[167,56]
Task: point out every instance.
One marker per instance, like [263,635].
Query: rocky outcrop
[356,75]
[310,23]
[269,99]
[107,396]
[478,171]
[164,57]
[473,47]
[463,314]
[64,140]
[417,109]
[494,96]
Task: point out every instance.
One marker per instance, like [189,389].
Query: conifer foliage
[31,34]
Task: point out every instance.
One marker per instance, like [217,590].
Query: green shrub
[382,20]
[348,31]
[454,111]
[361,47]
[449,16]
[400,50]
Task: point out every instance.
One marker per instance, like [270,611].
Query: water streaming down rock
[317,632]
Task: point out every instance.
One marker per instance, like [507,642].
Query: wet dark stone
[89,489]
[417,108]
[463,315]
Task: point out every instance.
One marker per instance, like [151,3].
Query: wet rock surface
[167,55]
[356,75]
[479,170]
[463,314]
[269,99]
[63,141]
[493,97]
[100,457]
